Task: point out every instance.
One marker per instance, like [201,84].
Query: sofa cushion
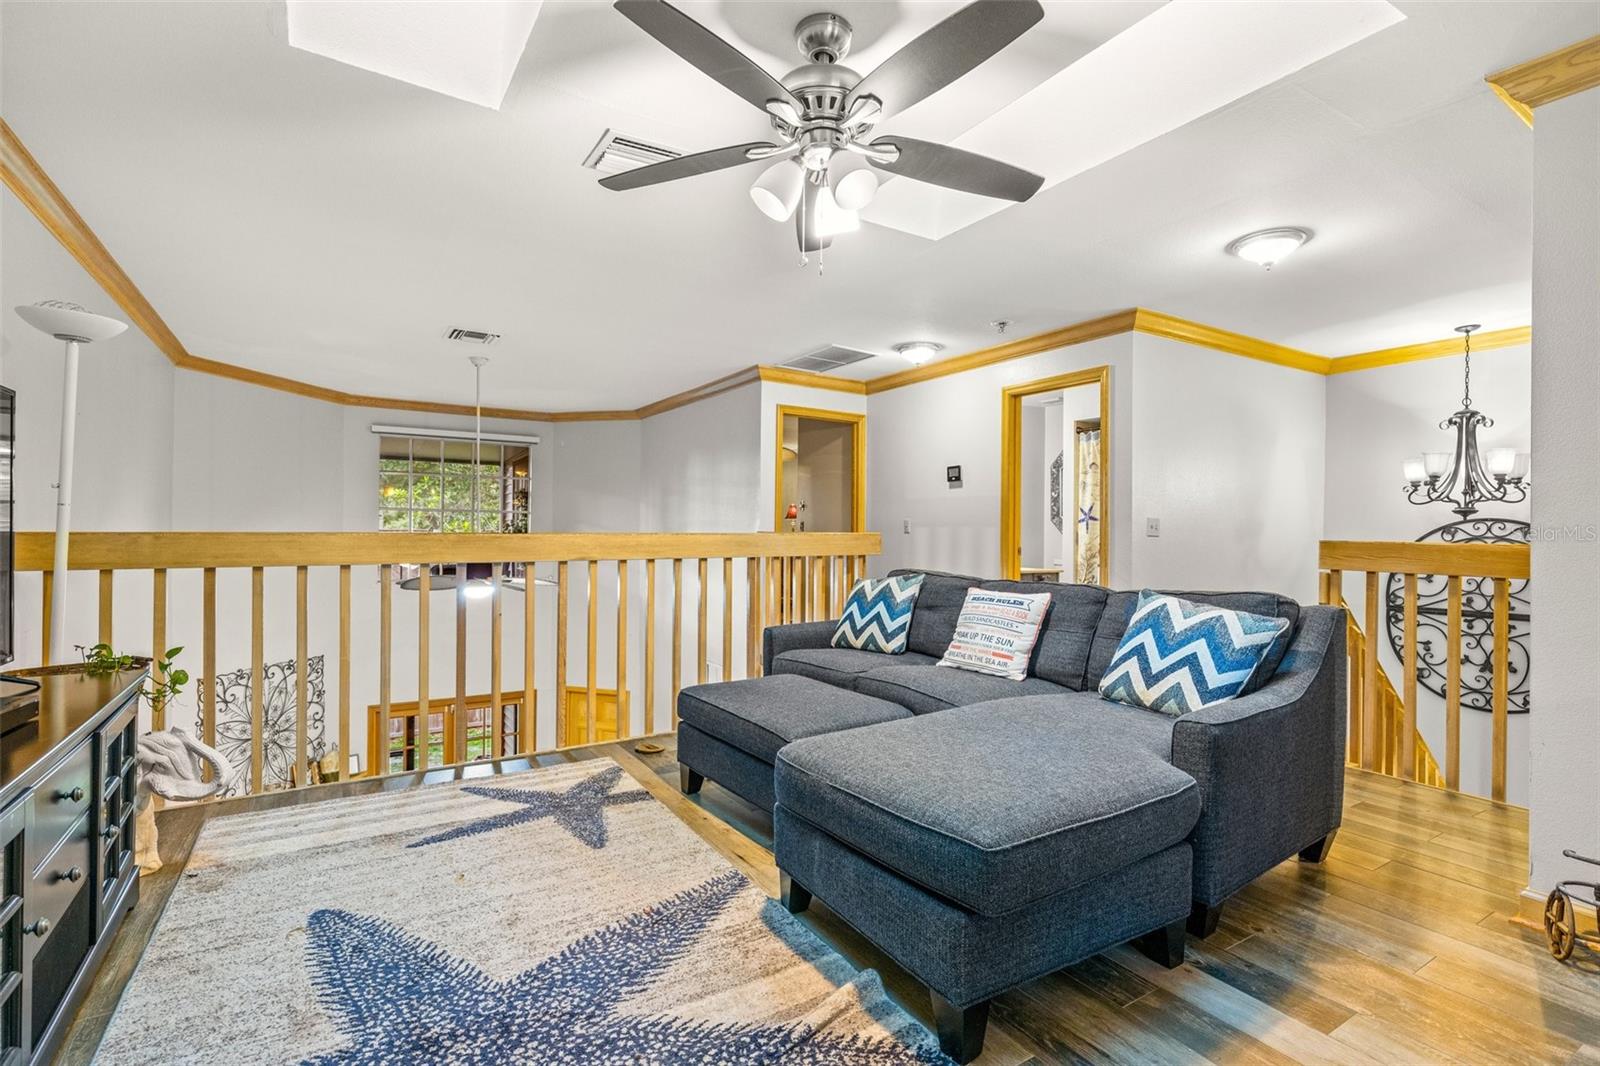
[759,715]
[1062,654]
[939,602]
[923,690]
[996,632]
[1119,609]
[877,614]
[995,806]
[1178,656]
[841,666]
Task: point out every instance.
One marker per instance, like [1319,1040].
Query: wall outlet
[907,528]
[1152,527]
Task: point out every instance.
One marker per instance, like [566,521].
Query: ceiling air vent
[470,336]
[617,152]
[825,359]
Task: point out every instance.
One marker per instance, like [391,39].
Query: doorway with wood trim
[1055,478]
[820,471]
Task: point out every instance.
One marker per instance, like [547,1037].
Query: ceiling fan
[824,161]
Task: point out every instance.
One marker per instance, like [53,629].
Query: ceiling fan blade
[703,49]
[946,52]
[939,164]
[687,166]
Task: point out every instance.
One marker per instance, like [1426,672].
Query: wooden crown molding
[1548,78]
[1555,76]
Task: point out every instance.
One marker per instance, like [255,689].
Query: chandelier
[1467,478]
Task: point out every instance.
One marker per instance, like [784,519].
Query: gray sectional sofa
[984,832]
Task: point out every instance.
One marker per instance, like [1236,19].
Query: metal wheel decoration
[1055,492]
[1558,925]
[278,714]
[1477,621]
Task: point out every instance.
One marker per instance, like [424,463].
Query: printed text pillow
[996,632]
[877,616]
[1178,656]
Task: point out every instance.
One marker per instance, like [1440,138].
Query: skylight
[466,50]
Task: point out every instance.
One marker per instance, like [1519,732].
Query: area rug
[558,916]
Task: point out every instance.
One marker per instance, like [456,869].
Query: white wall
[704,466]
[1035,483]
[1377,418]
[1564,794]
[918,430]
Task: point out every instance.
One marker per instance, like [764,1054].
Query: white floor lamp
[66,322]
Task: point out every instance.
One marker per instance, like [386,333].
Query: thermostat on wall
[952,474]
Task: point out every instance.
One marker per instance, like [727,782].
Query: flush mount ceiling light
[468,51]
[1267,247]
[918,352]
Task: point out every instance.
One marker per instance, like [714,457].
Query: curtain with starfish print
[1086,539]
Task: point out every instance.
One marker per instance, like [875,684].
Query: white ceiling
[300,216]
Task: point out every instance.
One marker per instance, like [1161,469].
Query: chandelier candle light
[1467,478]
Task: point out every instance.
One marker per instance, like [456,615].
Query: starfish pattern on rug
[398,998]
[580,810]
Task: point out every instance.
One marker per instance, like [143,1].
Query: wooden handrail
[786,577]
[1383,722]
[1421,557]
[194,550]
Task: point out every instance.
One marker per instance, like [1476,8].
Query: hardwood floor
[1399,948]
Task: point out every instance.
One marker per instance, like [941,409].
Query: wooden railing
[769,578]
[1383,723]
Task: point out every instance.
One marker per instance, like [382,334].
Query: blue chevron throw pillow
[877,616]
[1178,656]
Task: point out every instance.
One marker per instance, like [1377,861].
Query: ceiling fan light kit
[824,111]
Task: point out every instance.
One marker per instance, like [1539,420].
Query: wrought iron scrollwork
[1477,621]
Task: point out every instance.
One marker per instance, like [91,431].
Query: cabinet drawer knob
[75,874]
[40,927]
[76,795]
[111,832]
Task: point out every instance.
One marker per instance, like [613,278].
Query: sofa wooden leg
[793,894]
[1318,851]
[1203,920]
[961,1029]
[689,781]
[1164,945]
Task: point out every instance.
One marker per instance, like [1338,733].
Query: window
[434,486]
[484,741]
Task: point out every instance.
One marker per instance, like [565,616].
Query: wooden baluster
[774,587]
[677,636]
[208,659]
[1408,725]
[591,728]
[456,740]
[1452,684]
[424,732]
[700,632]
[649,647]
[1369,677]
[561,653]
[378,762]
[1356,656]
[302,773]
[727,619]
[497,726]
[527,711]
[344,673]
[257,678]
[624,705]
[158,644]
[861,566]
[1502,678]
[44,620]
[797,608]
[105,606]
[752,632]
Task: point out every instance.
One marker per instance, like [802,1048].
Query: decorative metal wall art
[1477,621]
[278,713]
